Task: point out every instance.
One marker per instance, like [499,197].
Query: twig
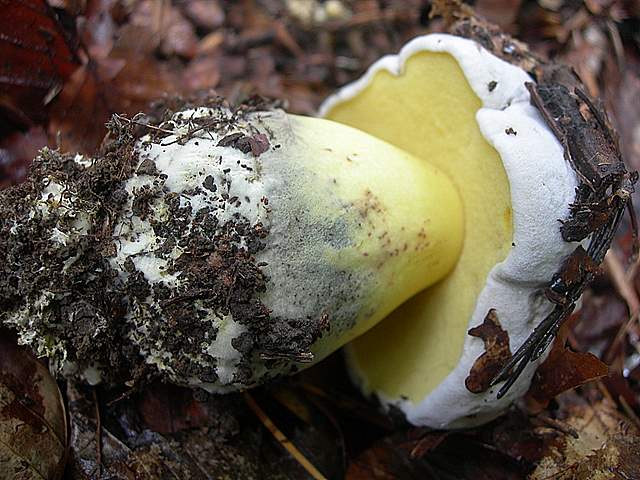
[189,134]
[282,439]
[368,17]
[135,122]
[622,285]
[622,331]
[558,425]
[628,410]
[618,46]
[98,433]
[605,391]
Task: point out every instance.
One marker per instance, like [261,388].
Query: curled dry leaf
[496,344]
[33,430]
[37,54]
[562,370]
[606,446]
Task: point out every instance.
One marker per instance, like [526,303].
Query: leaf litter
[112,56]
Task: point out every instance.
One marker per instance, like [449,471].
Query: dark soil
[69,302]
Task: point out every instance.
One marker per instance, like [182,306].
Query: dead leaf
[170,409]
[203,437]
[205,14]
[33,429]
[562,370]
[497,353]
[38,55]
[606,448]
[126,80]
[436,455]
[173,33]
[16,152]
[501,12]
[385,461]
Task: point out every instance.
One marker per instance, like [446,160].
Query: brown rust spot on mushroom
[497,352]
[369,206]
[422,240]
[508,217]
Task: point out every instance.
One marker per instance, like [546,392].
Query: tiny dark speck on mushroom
[510,131]
[492,85]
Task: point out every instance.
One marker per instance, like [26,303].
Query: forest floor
[117,56]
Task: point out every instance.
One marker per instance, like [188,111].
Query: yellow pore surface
[429,111]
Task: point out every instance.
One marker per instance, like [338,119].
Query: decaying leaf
[497,352]
[395,457]
[505,452]
[171,432]
[33,430]
[37,54]
[564,369]
[606,448]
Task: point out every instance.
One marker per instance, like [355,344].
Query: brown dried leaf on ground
[168,409]
[606,448]
[503,451]
[37,54]
[33,429]
[563,369]
[497,353]
[622,91]
[173,33]
[172,432]
[118,76]
[392,458]
[143,455]
[16,152]
[500,12]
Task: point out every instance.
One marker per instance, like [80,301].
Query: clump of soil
[63,297]
[63,291]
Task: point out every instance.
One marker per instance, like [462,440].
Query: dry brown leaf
[606,448]
[173,33]
[127,79]
[214,436]
[33,429]
[37,54]
[497,353]
[205,14]
[16,152]
[501,12]
[563,369]
[417,454]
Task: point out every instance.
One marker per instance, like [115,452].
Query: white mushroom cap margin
[542,188]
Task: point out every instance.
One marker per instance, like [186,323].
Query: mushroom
[451,102]
[222,247]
